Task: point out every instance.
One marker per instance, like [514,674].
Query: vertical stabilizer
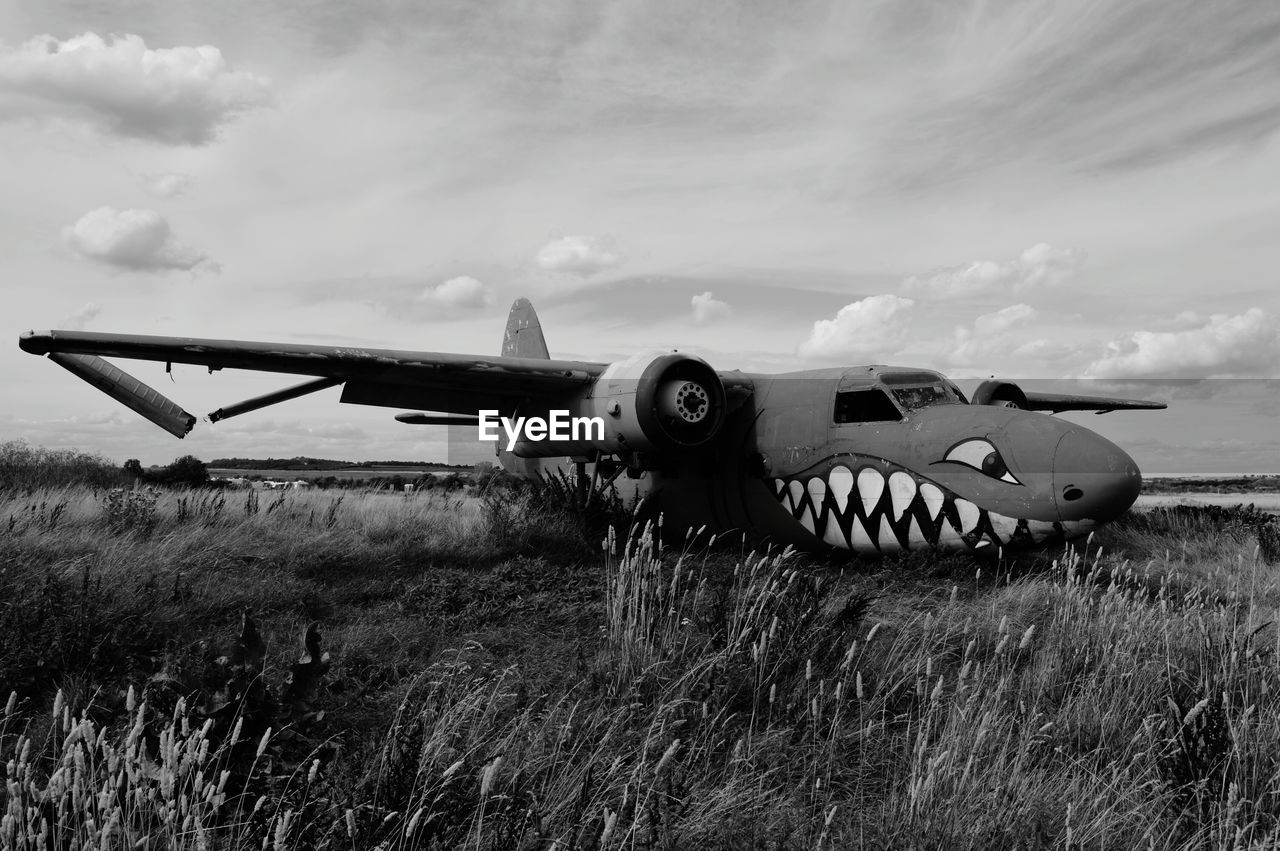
[523,337]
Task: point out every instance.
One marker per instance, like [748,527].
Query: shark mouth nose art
[870,509]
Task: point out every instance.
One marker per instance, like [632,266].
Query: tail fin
[523,337]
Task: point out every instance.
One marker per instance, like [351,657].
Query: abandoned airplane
[870,459]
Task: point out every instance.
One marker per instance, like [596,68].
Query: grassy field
[353,473]
[302,669]
[1261,483]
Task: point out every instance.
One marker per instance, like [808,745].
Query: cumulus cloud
[167,185]
[82,317]
[1039,266]
[458,294]
[578,255]
[707,309]
[137,240]
[177,95]
[874,326]
[1002,320]
[1220,345]
[990,337]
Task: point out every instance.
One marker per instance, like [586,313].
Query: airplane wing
[431,381]
[1058,402]
[1009,394]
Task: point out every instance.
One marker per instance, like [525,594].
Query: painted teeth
[933,498]
[840,482]
[1004,526]
[817,490]
[832,534]
[870,487]
[858,537]
[821,504]
[948,537]
[796,491]
[969,515]
[888,540]
[902,488]
[806,518]
[915,535]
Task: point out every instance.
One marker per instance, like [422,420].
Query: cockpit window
[916,390]
[898,379]
[914,398]
[865,406]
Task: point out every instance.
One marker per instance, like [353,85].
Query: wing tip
[36,342]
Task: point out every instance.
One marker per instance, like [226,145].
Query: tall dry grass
[1116,695]
[27,468]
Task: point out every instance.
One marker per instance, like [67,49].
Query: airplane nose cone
[1093,479]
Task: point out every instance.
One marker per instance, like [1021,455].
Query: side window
[865,406]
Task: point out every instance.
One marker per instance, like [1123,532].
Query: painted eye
[981,455]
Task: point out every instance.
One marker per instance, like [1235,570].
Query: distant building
[237,483]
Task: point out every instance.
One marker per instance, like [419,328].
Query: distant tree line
[185,472]
[304,463]
[426,482]
[26,467]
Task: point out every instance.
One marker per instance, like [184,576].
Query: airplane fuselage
[879,459]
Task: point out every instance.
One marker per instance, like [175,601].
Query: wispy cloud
[578,255]
[169,185]
[82,317]
[989,343]
[1040,265]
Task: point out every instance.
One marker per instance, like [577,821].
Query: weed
[130,511]
[1269,543]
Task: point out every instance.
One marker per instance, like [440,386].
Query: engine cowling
[1004,394]
[667,403]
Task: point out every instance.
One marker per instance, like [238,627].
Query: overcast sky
[1031,188]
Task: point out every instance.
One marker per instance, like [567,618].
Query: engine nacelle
[1004,394]
[665,403]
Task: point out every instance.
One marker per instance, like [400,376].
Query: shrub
[24,467]
[130,511]
[185,472]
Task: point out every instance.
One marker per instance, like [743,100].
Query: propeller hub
[687,401]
